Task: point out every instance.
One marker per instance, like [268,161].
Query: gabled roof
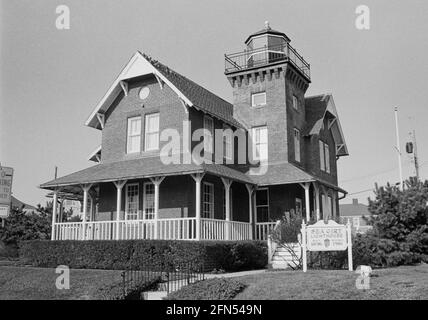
[355,210]
[192,94]
[317,109]
[19,204]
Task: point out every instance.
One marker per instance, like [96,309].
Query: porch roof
[141,168]
[287,173]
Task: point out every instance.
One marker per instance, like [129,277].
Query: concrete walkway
[234,274]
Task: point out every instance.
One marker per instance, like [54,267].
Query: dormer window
[258,99]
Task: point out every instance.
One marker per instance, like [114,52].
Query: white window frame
[263,205]
[257,155]
[210,203]
[295,102]
[327,157]
[131,135]
[297,145]
[148,215]
[147,133]
[227,143]
[128,215]
[208,136]
[322,157]
[253,95]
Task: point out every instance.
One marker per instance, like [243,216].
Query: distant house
[19,204]
[354,213]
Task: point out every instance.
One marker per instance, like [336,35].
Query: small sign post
[329,236]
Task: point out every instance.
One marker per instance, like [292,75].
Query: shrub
[137,254]
[212,289]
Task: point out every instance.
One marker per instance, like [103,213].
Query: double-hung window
[258,99]
[151,136]
[134,135]
[295,102]
[296,145]
[262,205]
[132,201]
[208,136]
[324,156]
[227,143]
[149,201]
[260,143]
[208,200]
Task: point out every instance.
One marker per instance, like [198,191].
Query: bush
[212,289]
[136,254]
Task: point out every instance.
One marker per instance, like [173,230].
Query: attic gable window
[133,144]
[258,99]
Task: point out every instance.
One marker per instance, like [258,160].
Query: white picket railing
[263,229]
[167,229]
[212,229]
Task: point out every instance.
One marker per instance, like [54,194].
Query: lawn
[22,283]
[410,282]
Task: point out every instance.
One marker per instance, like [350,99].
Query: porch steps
[283,257]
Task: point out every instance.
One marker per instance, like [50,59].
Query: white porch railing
[263,229]
[167,229]
[212,229]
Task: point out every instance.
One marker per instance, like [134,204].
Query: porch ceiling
[141,168]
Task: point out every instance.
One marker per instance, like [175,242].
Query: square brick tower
[269,80]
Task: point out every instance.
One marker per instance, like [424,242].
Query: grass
[19,283]
[409,282]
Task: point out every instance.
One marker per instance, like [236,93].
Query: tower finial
[267,25]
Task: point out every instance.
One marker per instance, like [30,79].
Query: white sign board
[6,175]
[329,236]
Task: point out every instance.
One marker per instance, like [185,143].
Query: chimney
[355,202]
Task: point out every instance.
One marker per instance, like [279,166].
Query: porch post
[317,201]
[198,178]
[85,188]
[306,186]
[250,189]
[54,209]
[119,186]
[227,183]
[333,209]
[157,181]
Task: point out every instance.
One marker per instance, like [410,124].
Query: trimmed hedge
[135,254]
[212,289]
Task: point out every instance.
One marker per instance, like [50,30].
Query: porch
[188,203]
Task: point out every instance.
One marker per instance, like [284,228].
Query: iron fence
[167,277]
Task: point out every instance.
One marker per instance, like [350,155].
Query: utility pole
[398,148]
[415,155]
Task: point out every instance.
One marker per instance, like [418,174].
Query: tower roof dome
[268,31]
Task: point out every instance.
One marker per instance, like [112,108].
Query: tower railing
[256,58]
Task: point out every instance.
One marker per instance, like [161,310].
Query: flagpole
[398,148]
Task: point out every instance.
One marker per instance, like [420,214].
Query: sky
[52,79]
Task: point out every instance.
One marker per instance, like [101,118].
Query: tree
[21,226]
[400,224]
